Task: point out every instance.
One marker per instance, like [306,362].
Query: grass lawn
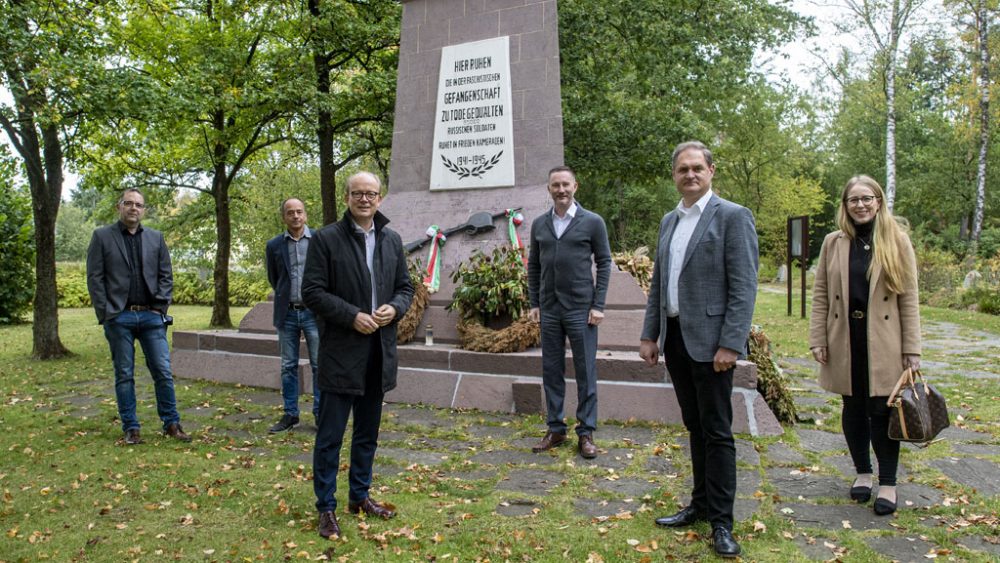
[72,492]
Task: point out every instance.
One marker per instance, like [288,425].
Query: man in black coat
[357,284]
[131,284]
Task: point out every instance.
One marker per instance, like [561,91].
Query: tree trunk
[223,230]
[890,108]
[45,195]
[984,122]
[324,131]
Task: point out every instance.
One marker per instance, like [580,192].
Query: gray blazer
[717,286]
[559,269]
[108,271]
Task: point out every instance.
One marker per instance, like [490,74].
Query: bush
[937,270]
[189,288]
[17,254]
[246,290]
[982,298]
[71,285]
[491,286]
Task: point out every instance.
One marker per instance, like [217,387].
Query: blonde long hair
[893,252]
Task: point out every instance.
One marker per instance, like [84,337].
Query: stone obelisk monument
[478,125]
[478,84]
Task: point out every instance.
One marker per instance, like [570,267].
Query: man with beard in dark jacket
[356,282]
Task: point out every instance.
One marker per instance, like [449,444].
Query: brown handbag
[917,412]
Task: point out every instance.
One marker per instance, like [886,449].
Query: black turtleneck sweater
[858,285]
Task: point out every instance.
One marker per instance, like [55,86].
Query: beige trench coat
[893,320]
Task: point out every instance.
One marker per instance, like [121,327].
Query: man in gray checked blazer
[565,243]
[701,301]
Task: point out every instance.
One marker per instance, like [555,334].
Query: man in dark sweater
[356,283]
[565,244]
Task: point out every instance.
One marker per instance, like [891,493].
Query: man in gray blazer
[701,302]
[131,284]
[565,244]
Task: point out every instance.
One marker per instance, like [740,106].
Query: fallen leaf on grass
[759,526]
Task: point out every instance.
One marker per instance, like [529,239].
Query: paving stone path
[801,477]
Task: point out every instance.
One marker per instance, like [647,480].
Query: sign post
[798,247]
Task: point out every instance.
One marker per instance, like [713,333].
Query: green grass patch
[71,491]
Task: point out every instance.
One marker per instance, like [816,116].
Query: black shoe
[861,494]
[685,517]
[725,544]
[884,507]
[287,422]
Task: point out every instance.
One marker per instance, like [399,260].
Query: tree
[885,21]
[17,249]
[51,63]
[978,13]
[217,85]
[354,49]
[638,77]
[765,162]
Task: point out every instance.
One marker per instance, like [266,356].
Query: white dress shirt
[370,258]
[689,217]
[560,223]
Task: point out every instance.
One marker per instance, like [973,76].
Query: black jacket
[279,266]
[108,271]
[336,285]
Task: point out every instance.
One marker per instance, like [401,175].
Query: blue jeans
[149,329]
[556,326]
[298,323]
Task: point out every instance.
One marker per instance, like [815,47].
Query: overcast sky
[798,61]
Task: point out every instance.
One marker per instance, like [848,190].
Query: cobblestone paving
[802,477]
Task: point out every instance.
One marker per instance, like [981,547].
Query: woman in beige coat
[865,328]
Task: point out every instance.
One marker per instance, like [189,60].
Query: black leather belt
[137,308]
[857,314]
[297,307]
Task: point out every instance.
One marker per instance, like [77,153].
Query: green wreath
[493,286]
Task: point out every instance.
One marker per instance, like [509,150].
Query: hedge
[189,288]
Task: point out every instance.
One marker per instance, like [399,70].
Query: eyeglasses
[864,200]
[135,204]
[370,196]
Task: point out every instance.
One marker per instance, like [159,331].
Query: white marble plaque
[473,143]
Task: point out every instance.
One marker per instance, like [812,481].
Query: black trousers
[334,410]
[865,419]
[707,410]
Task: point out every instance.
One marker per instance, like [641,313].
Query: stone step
[445,376]
[612,365]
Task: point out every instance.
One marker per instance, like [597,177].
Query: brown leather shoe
[175,431]
[328,526]
[132,437]
[586,446]
[551,440]
[372,508]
